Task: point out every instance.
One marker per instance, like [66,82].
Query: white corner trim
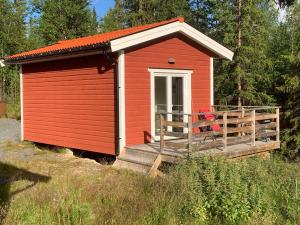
[212,99]
[21,103]
[161,31]
[187,92]
[121,87]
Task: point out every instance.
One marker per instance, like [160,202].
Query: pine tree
[129,13]
[245,28]
[65,19]
[13,27]
[114,19]
[12,40]
[288,90]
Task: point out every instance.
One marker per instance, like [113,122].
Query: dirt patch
[28,152]
[10,130]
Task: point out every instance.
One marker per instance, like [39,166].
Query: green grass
[204,191]
[13,111]
[16,146]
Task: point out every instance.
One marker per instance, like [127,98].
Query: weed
[201,191]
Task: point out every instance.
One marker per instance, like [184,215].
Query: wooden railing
[243,125]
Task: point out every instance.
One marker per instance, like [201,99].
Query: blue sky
[102,6]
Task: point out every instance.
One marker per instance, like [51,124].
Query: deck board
[232,151]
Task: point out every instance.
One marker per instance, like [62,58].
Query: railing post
[225,130]
[277,125]
[242,124]
[190,134]
[253,120]
[162,132]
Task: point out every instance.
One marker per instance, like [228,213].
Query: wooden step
[120,164]
[136,160]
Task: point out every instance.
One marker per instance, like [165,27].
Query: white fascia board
[206,41]
[185,29]
[144,36]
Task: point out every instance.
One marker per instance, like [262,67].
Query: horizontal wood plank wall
[187,55]
[71,103]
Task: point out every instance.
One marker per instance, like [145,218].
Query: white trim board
[21,104]
[121,87]
[212,99]
[187,92]
[161,31]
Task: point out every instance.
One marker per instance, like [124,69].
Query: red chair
[215,128]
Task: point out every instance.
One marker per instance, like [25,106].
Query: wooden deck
[233,151]
[242,132]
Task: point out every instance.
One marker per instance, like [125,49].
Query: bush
[13,111]
[219,191]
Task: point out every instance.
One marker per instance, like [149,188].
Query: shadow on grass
[10,174]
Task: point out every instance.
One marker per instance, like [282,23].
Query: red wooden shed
[101,93]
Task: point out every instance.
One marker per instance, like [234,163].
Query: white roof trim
[161,31]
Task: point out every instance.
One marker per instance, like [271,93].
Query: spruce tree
[12,40]
[129,13]
[65,19]
[288,83]
[114,19]
[245,27]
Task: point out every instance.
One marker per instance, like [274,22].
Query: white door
[170,93]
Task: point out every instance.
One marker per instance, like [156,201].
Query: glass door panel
[160,100]
[177,101]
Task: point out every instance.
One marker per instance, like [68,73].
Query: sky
[102,6]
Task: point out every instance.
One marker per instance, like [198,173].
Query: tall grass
[203,191]
[252,191]
[13,111]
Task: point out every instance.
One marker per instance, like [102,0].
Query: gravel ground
[10,130]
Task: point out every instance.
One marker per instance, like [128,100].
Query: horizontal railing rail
[236,127]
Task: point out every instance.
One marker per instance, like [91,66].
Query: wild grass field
[43,187]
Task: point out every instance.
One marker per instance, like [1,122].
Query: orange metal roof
[98,39]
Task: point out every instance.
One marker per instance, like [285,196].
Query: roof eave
[96,48]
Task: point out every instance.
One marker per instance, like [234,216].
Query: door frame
[187,93]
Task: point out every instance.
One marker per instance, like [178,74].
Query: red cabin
[102,93]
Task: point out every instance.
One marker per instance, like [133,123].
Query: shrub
[219,191]
[13,111]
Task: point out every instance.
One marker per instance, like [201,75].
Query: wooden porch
[243,132]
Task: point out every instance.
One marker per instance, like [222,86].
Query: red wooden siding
[71,103]
[187,54]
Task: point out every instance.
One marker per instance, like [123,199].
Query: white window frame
[187,94]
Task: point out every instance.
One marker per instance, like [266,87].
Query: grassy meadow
[55,188]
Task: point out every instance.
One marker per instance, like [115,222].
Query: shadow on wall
[147,137]
[10,174]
